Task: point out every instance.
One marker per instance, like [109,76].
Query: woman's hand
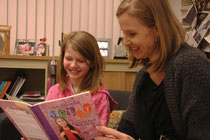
[112,134]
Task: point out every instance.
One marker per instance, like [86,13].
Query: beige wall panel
[92,17]
[21,28]
[116,27]
[114,80]
[12,8]
[100,19]
[50,25]
[108,18]
[31,23]
[3,10]
[67,16]
[40,19]
[58,25]
[84,15]
[76,15]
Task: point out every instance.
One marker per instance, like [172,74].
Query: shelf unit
[35,69]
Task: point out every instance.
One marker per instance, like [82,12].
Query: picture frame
[25,47]
[5,39]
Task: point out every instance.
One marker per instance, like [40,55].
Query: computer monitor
[105,46]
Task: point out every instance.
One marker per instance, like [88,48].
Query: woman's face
[75,64]
[138,37]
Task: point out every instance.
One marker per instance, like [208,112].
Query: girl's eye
[69,59]
[81,61]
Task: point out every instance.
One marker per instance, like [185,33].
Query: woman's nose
[126,41]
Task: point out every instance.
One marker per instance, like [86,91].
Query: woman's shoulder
[187,52]
[188,55]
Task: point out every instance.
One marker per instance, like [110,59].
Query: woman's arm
[128,128]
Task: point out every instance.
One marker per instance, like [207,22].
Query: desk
[118,76]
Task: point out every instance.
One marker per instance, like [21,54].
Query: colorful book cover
[2,83]
[5,89]
[69,117]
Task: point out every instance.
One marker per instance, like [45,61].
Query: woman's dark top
[152,105]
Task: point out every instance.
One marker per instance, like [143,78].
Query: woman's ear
[156,31]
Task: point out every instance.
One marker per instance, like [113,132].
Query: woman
[171,96]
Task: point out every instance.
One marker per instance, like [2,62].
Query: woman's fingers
[113,134]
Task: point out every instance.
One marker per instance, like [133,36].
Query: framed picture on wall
[25,47]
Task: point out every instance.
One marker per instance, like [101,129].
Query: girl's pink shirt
[103,101]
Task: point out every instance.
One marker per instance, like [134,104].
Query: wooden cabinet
[118,76]
[35,69]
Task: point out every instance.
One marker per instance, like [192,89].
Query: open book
[73,116]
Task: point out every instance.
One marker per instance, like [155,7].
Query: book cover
[2,83]
[18,87]
[14,84]
[5,89]
[55,119]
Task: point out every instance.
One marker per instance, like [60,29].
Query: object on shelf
[17,86]
[63,36]
[25,47]
[4,88]
[5,39]
[42,48]
[32,96]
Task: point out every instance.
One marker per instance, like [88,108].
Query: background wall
[35,19]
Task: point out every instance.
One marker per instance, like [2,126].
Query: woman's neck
[157,77]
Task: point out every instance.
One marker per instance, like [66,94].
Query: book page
[23,118]
[77,112]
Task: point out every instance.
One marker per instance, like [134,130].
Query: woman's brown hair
[171,33]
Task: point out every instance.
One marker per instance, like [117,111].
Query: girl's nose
[73,63]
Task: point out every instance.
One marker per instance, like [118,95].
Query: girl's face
[138,37]
[75,64]
[61,122]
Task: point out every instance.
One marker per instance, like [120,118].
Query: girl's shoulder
[102,95]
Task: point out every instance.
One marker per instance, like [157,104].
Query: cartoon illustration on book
[67,131]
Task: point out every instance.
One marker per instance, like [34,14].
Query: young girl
[67,131]
[80,67]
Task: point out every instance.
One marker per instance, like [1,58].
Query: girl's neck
[75,85]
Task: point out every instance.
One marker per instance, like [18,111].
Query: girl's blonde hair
[87,46]
[171,33]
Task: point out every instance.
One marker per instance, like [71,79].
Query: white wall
[176,7]
[35,19]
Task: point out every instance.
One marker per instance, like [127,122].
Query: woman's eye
[132,34]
